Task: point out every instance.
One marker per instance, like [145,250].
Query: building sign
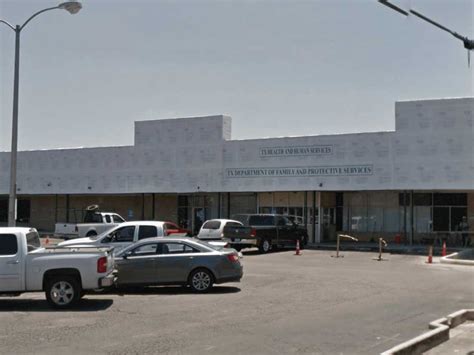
[269,152]
[345,170]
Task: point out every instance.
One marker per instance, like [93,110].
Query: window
[33,241]
[124,234]
[8,244]
[212,225]
[147,232]
[147,249]
[92,217]
[233,224]
[117,219]
[261,221]
[23,211]
[176,248]
[441,219]
[283,221]
[108,219]
[447,199]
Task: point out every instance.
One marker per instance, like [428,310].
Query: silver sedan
[177,261]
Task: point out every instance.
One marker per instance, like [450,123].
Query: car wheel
[201,280]
[91,234]
[265,246]
[63,291]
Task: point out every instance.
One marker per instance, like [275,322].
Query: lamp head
[73,7]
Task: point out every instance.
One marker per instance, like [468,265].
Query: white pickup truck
[65,274]
[94,224]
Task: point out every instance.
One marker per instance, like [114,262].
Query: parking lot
[285,304]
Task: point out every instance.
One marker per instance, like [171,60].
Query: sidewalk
[415,249]
[461,341]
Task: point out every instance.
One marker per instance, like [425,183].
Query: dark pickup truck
[265,231]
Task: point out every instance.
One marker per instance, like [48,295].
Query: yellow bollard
[338,243]
[382,243]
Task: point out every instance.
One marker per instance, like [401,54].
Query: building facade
[413,182]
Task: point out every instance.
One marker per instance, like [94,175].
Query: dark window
[108,219]
[283,221]
[404,199]
[212,225]
[339,199]
[339,217]
[3,210]
[147,232]
[457,213]
[446,199]
[183,201]
[424,199]
[261,220]
[117,219]
[92,217]
[23,211]
[175,248]
[441,219]
[124,234]
[8,244]
[233,224]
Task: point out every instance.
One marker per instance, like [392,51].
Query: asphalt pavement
[285,304]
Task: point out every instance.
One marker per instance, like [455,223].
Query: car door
[120,237]
[11,263]
[147,231]
[284,229]
[175,261]
[138,266]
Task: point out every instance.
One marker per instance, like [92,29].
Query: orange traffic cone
[443,251]
[298,252]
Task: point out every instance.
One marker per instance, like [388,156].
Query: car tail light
[253,233]
[233,258]
[102,265]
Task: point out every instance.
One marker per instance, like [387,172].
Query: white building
[413,181]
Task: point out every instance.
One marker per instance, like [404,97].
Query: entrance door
[199,217]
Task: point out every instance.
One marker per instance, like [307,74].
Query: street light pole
[72,7]
[12,197]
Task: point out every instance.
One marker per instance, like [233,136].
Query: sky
[277,67]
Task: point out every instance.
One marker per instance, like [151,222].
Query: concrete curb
[451,259]
[438,334]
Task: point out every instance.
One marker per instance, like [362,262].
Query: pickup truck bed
[65,274]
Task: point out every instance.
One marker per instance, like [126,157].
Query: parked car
[94,223]
[174,230]
[213,229]
[63,274]
[121,236]
[177,261]
[265,231]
